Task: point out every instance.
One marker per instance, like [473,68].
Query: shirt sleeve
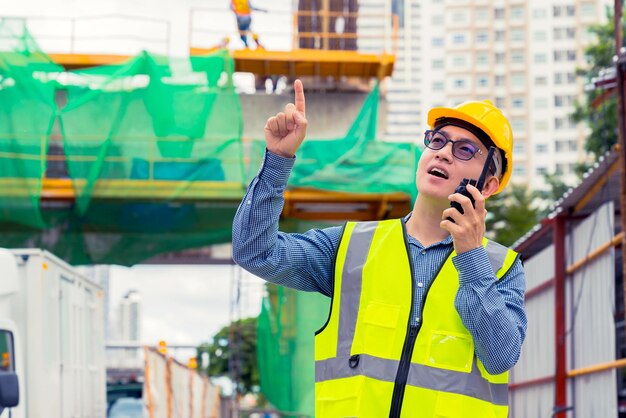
[300,261]
[491,309]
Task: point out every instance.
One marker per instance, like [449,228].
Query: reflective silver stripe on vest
[497,254]
[370,366]
[351,281]
[469,384]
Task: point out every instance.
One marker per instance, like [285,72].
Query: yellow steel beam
[299,203]
[297,63]
[73,61]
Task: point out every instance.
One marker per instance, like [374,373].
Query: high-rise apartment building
[129,317]
[522,55]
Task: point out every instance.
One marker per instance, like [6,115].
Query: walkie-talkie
[461,188]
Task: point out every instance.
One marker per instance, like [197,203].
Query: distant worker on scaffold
[243,12]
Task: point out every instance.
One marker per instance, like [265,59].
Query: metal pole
[560,378]
[619,76]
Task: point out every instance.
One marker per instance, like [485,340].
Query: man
[243,12]
[427,316]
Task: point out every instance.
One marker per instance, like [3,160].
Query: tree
[601,118]
[511,214]
[233,349]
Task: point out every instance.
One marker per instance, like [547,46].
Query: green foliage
[601,118]
[233,349]
[512,213]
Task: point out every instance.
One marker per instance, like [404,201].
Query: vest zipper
[403,371]
[412,331]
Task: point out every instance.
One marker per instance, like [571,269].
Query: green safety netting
[356,162]
[154,153]
[27,113]
[285,333]
[152,150]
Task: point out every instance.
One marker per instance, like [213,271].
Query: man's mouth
[437,172]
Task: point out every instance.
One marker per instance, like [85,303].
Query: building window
[517,13]
[541,148]
[563,55]
[564,78]
[564,123]
[564,33]
[588,10]
[518,125]
[517,35]
[500,102]
[437,41]
[500,80]
[459,61]
[564,100]
[500,57]
[517,57]
[559,168]
[542,170]
[499,36]
[459,83]
[482,82]
[541,125]
[539,13]
[438,63]
[570,10]
[518,79]
[541,103]
[459,17]
[517,102]
[482,14]
[458,39]
[540,58]
[499,13]
[438,85]
[518,148]
[482,37]
[541,81]
[540,35]
[482,59]
[519,170]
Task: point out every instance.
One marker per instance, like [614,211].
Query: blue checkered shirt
[492,310]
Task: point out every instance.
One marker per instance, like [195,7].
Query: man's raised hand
[285,132]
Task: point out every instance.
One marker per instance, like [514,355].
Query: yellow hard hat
[485,116]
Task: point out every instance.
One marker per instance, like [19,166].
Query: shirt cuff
[473,265]
[276,169]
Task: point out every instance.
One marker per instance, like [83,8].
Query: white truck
[51,338]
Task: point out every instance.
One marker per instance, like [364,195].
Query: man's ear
[491,186]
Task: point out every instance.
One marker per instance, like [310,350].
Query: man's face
[439,172]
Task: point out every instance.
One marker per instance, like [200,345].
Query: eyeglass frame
[436,131]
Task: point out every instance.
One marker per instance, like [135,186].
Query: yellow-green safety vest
[372,361]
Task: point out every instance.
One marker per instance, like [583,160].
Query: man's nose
[445,152]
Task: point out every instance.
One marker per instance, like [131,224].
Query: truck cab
[11,367]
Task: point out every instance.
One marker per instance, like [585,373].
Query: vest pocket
[450,351]
[380,322]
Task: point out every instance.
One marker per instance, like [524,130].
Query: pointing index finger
[299,90]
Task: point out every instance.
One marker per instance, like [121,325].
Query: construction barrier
[172,390]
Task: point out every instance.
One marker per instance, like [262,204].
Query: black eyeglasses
[463,150]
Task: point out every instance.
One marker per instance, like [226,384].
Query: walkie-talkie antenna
[483,174]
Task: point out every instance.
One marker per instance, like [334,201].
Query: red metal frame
[560,378]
